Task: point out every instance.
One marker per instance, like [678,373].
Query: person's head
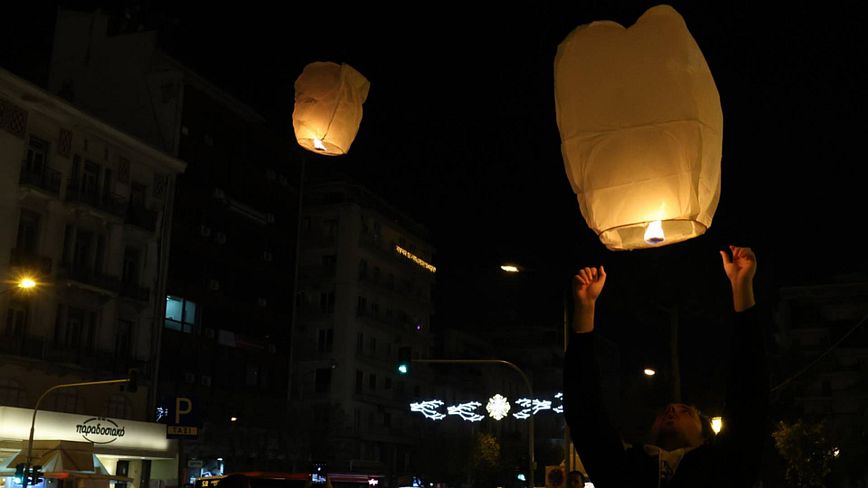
[575,479]
[680,425]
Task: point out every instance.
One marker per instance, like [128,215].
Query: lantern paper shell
[641,128]
[328,107]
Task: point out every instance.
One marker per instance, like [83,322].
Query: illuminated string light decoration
[641,129]
[465,411]
[432,409]
[531,407]
[428,409]
[416,259]
[498,407]
[328,107]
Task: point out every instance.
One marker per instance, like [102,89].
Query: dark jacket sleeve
[745,412]
[597,442]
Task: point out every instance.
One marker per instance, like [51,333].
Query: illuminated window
[180,314]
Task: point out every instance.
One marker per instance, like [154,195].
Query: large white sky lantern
[641,129]
[328,107]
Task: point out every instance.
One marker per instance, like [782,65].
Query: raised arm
[740,268]
[587,285]
[597,441]
[747,395]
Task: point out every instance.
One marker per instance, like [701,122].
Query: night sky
[459,132]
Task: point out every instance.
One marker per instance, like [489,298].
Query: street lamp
[325,118]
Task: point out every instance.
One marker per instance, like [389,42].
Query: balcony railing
[25,258]
[110,203]
[134,291]
[90,277]
[141,217]
[43,178]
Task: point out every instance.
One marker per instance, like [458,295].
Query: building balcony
[91,278]
[44,178]
[111,204]
[24,258]
[141,217]
[135,291]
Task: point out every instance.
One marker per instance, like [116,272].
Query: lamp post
[530,431]
[131,379]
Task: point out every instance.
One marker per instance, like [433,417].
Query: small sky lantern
[328,107]
[641,129]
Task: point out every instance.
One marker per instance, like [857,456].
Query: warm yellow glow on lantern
[641,129]
[649,372]
[716,424]
[328,107]
[654,233]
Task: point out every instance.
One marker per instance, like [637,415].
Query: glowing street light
[26,283]
[649,372]
[509,268]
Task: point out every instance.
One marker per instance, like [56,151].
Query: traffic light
[133,382]
[20,473]
[404,353]
[35,475]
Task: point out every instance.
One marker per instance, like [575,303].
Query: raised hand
[740,269]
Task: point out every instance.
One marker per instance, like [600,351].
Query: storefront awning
[57,456]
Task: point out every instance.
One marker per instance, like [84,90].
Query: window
[180,314]
[357,420]
[360,342]
[90,179]
[118,407]
[330,227]
[75,328]
[16,320]
[37,156]
[387,420]
[251,375]
[327,302]
[363,269]
[12,393]
[325,340]
[132,264]
[66,400]
[359,381]
[372,346]
[362,306]
[372,381]
[137,194]
[28,231]
[123,339]
[323,380]
[387,383]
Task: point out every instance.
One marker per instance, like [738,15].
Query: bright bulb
[650,372]
[233,419]
[716,424]
[26,283]
[509,268]
[402,369]
[654,233]
[317,143]
[836,452]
